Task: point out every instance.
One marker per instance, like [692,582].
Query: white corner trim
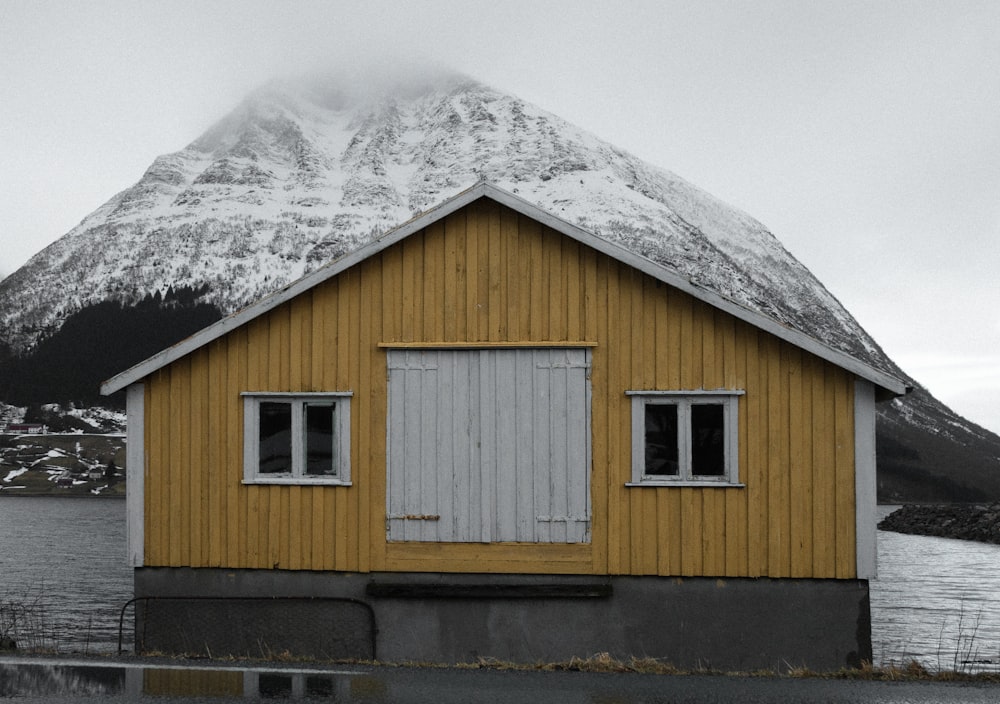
[135,474]
[865,487]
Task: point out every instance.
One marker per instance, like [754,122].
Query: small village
[35,463]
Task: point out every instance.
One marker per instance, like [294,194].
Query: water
[63,571]
[936,600]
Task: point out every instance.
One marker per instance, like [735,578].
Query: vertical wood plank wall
[487,274]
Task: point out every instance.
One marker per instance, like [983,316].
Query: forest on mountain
[96,343]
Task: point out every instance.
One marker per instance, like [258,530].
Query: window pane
[661,439]
[276,686]
[708,449]
[275,434]
[319,439]
[321,686]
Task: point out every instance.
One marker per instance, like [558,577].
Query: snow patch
[14,473]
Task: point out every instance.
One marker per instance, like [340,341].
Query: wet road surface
[28,680]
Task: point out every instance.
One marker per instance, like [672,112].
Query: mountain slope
[928,453]
[305,171]
[299,174]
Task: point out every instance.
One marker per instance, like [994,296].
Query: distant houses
[23,428]
[43,462]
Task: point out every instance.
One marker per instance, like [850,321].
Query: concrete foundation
[731,624]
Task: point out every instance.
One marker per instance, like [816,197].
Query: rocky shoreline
[979,522]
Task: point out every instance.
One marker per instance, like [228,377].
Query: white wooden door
[489,445]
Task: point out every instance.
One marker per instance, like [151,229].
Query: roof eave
[888,383]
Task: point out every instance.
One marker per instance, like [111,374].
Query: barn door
[489,445]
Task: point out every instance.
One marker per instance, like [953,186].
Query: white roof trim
[518,204]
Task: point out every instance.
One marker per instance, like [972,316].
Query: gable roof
[881,378]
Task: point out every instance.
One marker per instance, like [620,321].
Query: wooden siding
[487,275]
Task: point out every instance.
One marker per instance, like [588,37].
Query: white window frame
[296,475]
[729,399]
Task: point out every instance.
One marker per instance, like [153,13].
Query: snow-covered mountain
[304,171]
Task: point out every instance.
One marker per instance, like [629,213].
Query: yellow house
[490,433]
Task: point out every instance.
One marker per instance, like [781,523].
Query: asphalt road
[24,680]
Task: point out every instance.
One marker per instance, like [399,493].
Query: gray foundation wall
[731,624]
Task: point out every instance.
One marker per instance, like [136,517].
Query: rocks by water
[979,522]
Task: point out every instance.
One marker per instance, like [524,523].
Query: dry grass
[24,625]
[604,662]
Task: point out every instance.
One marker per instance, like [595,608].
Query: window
[297,438]
[684,437]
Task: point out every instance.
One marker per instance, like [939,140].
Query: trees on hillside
[99,341]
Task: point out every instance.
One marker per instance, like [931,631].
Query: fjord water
[63,570]
[935,600]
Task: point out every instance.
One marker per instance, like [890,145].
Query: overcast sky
[865,135]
